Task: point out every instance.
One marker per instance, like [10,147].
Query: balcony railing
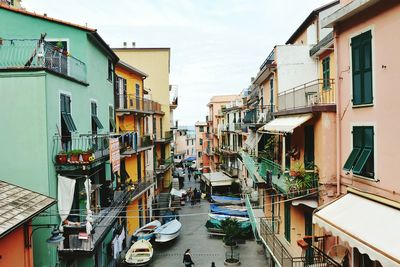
[135,103]
[313,257]
[229,149]
[209,151]
[309,94]
[231,171]
[259,115]
[164,164]
[268,61]
[103,221]
[165,137]
[145,141]
[38,54]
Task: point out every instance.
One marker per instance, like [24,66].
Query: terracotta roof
[33,14]
[309,19]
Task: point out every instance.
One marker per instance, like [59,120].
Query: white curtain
[88,189]
[66,188]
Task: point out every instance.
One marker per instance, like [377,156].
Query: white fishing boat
[221,217]
[234,207]
[147,231]
[168,231]
[139,254]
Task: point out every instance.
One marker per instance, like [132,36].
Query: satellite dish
[338,252]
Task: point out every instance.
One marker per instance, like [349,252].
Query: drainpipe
[283,152]
[338,108]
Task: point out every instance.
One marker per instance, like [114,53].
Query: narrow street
[204,249]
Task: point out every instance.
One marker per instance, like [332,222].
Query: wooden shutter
[362,68]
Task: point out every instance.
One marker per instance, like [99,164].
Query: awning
[306,202]
[285,124]
[371,227]
[217,179]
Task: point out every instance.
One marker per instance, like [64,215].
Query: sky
[216,45]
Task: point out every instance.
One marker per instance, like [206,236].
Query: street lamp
[55,239]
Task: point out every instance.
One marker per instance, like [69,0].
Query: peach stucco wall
[383,114]
[13,251]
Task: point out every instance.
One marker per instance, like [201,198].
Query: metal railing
[259,115]
[268,61]
[231,171]
[133,102]
[166,136]
[314,257]
[97,145]
[164,164]
[313,93]
[35,53]
[145,141]
[103,221]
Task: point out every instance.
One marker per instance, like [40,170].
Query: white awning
[285,124]
[307,202]
[371,227]
[217,179]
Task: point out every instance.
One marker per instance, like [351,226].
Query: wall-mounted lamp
[55,239]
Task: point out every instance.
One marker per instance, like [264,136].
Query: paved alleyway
[204,249]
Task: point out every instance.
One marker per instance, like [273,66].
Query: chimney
[133,44]
[45,15]
[124,44]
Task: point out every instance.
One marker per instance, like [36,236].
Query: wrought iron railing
[136,103]
[163,164]
[35,53]
[259,115]
[231,171]
[317,92]
[314,257]
[145,141]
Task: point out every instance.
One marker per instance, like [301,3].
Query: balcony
[312,96]
[229,170]
[209,151]
[144,143]
[312,256]
[173,96]
[163,165]
[77,242]
[258,116]
[135,104]
[166,137]
[35,54]
[226,149]
[288,182]
[83,152]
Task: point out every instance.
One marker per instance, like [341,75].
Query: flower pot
[231,262]
[74,158]
[61,159]
[86,157]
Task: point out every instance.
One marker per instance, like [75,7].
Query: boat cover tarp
[225,199]
[221,210]
[216,224]
[190,159]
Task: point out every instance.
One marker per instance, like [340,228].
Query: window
[137,96]
[361,158]
[111,118]
[362,68]
[122,93]
[201,129]
[110,70]
[67,123]
[326,73]
[187,142]
[96,124]
[287,220]
[199,154]
[187,152]
[201,141]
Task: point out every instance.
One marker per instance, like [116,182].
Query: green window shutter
[97,121]
[287,220]
[368,137]
[62,103]
[351,159]
[362,68]
[326,72]
[358,137]
[362,159]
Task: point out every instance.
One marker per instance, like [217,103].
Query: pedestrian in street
[187,259]
[212,264]
[194,196]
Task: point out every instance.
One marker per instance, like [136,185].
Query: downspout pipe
[338,109]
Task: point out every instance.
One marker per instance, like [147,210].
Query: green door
[309,147]
[308,232]
[287,220]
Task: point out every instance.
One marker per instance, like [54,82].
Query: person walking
[212,264]
[187,259]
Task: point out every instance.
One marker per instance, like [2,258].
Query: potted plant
[87,154]
[232,231]
[74,155]
[61,157]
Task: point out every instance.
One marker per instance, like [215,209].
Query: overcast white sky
[216,45]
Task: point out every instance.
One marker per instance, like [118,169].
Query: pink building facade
[365,216]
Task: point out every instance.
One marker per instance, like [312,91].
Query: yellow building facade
[131,114]
[156,63]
